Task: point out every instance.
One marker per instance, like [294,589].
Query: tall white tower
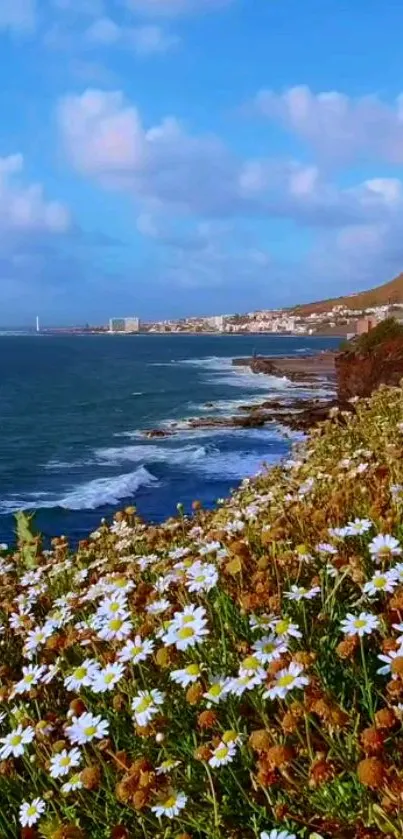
[38,329]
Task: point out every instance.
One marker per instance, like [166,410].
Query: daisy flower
[223,753]
[201,577]
[74,782]
[186,676]
[31,812]
[260,622]
[398,571]
[216,691]
[116,628]
[167,766]
[358,527]
[61,763]
[381,582]
[137,650]
[14,743]
[284,627]
[171,806]
[240,684]
[114,606]
[298,593]
[269,648]
[107,678]
[157,607]
[31,676]
[383,547]
[37,638]
[387,659]
[362,624]
[277,834]
[145,705]
[83,675]
[87,727]
[285,680]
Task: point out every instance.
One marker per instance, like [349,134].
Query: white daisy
[381,582]
[15,742]
[61,763]
[186,676]
[284,627]
[223,753]
[107,678]
[87,727]
[269,648]
[201,577]
[114,606]
[37,638]
[83,675]
[216,691]
[167,766]
[277,834]
[31,812]
[358,527]
[115,629]
[240,684]
[146,705]
[362,624]
[260,622]
[383,547]
[137,650]
[387,659]
[171,806]
[74,782]
[298,593]
[31,676]
[285,680]
[158,606]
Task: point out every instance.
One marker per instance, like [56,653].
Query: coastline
[295,412]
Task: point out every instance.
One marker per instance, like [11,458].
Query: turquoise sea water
[72,410]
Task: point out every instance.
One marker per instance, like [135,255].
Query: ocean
[72,409]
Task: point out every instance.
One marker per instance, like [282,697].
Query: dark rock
[157,433]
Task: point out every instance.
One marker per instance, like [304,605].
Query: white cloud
[144,40]
[172,8]
[167,167]
[18,14]
[24,209]
[339,127]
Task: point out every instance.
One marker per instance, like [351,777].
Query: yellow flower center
[80,673]
[250,663]
[90,731]
[16,740]
[29,678]
[32,811]
[200,579]
[380,582]
[269,647]
[222,753]
[193,670]
[144,704]
[282,627]
[114,607]
[188,619]
[170,802]
[65,761]
[229,736]
[115,624]
[215,690]
[186,632]
[109,678]
[359,623]
[136,651]
[286,681]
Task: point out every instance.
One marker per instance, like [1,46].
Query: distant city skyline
[196,156]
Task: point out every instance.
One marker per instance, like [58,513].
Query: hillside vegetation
[232,676]
[383,295]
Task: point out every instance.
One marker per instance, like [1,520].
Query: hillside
[389,293]
[238,675]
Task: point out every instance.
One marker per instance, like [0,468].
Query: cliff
[375,359]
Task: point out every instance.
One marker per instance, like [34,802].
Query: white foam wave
[87,496]
[184,456]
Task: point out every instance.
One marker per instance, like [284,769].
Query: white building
[124,325]
[217,323]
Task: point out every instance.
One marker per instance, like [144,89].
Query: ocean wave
[88,496]
[184,456]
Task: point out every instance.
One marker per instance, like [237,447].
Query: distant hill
[389,293]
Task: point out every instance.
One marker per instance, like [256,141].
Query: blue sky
[170,157]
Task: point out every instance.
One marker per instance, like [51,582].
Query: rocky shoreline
[293,412]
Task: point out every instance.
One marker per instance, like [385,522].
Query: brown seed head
[397,666]
[371,772]
[385,718]
[163,658]
[372,740]
[347,647]
[90,777]
[279,756]
[68,831]
[77,707]
[260,740]
[119,832]
[207,719]
[202,753]
[194,694]
[320,772]
[289,723]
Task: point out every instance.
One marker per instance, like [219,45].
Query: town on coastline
[346,317]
